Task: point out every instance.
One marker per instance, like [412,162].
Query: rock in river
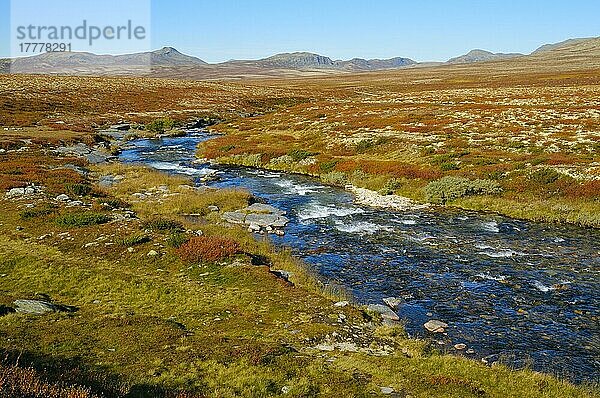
[384,311]
[392,302]
[436,326]
[259,217]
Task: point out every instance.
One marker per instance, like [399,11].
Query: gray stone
[254,228]
[96,158]
[107,181]
[37,307]
[387,390]
[340,304]
[435,326]
[120,127]
[79,170]
[392,302]
[264,208]
[385,312]
[234,217]
[15,193]
[264,220]
[282,274]
[63,198]
[213,208]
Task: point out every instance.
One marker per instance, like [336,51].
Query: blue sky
[219,30]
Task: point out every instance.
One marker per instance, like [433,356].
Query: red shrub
[207,248]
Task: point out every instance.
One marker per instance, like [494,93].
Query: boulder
[435,326]
[265,220]
[62,198]
[392,302]
[264,208]
[36,307]
[282,274]
[385,312]
[120,127]
[16,193]
[234,217]
[340,304]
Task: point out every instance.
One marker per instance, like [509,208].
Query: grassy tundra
[162,311]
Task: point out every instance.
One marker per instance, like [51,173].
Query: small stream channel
[522,293]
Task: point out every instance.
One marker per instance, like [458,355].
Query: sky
[434,30]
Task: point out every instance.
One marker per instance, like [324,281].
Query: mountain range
[168,62]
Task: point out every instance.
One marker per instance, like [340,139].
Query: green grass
[156,326]
[81,219]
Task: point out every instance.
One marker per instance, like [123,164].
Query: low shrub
[160,125]
[300,154]
[81,219]
[328,166]
[390,187]
[114,203]
[334,178]
[133,240]
[205,248]
[78,189]
[544,176]
[177,239]
[35,213]
[449,166]
[364,145]
[450,188]
[162,224]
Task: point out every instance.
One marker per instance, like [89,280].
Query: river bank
[437,253]
[134,294]
[531,207]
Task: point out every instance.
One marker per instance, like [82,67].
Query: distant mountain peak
[166,50]
[479,55]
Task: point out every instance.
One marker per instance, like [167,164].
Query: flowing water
[517,292]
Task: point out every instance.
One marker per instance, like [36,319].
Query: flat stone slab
[266,220]
[234,217]
[263,208]
[435,326]
[258,216]
[393,302]
[385,312]
[36,307]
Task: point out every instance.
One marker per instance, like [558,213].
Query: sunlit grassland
[160,326]
[536,134]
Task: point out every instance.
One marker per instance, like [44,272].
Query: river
[516,292]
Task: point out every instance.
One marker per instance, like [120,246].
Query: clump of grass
[78,189]
[450,188]
[134,240]
[115,203]
[245,159]
[364,145]
[160,125]
[162,225]
[81,219]
[334,178]
[300,154]
[449,166]
[545,176]
[390,187]
[30,214]
[177,239]
[208,249]
[328,165]
[26,382]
